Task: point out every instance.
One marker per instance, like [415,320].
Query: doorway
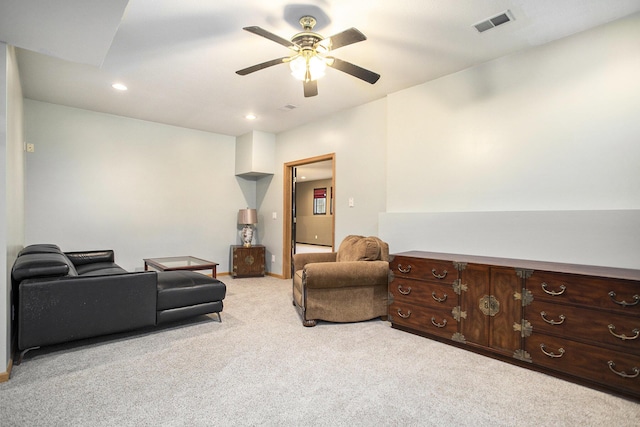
[289,209]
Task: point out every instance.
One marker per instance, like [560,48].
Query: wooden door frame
[286,209]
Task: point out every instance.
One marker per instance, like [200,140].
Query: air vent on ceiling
[490,23]
[288,107]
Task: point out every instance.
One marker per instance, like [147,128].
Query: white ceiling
[179,58]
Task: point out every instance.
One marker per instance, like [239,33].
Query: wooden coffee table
[180,263]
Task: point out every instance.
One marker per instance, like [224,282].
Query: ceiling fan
[309,60]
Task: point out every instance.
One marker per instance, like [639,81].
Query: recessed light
[250,117]
[119,86]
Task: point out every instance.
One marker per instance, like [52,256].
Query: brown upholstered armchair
[345,286]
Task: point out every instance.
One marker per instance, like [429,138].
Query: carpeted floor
[260,366]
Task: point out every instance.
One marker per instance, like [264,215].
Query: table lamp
[246,218]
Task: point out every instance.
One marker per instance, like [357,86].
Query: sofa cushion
[90,257]
[99,269]
[358,248]
[41,265]
[186,288]
[41,248]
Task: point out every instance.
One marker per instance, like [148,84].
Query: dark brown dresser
[247,261]
[580,323]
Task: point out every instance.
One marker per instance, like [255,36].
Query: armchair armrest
[90,257]
[300,260]
[345,274]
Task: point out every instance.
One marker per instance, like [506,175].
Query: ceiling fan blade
[310,88]
[261,66]
[269,35]
[354,70]
[347,37]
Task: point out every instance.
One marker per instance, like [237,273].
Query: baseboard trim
[277,276]
[4,376]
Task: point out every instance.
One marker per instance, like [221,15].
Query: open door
[289,209]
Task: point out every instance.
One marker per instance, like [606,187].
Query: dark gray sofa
[64,296]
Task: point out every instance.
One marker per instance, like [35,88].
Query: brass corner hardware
[524,327]
[524,273]
[523,356]
[526,296]
[459,265]
[458,314]
[458,337]
[459,287]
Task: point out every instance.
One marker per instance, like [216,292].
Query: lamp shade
[247,216]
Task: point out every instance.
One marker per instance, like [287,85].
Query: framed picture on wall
[320,201]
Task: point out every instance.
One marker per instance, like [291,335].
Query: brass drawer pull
[550,353]
[554,293]
[439,325]
[623,337]
[404,291]
[623,374]
[439,276]
[443,299]
[404,270]
[636,297]
[404,316]
[553,322]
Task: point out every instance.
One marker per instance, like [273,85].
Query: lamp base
[247,235]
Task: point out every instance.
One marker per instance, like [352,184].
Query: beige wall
[310,228]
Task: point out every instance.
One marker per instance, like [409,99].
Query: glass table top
[179,261]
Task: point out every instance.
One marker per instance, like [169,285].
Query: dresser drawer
[608,367]
[436,321]
[424,269]
[423,293]
[611,294]
[581,324]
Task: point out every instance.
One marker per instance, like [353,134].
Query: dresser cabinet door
[491,308]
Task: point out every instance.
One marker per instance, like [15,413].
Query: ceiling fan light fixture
[308,67]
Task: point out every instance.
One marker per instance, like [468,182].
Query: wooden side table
[247,261]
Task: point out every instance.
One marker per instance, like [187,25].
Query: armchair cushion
[358,248]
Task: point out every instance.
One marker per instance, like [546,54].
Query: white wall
[553,130]
[98,181]
[357,136]
[11,188]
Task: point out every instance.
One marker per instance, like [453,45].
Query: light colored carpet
[260,366]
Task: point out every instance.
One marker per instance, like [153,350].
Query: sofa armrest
[300,260]
[56,310]
[90,257]
[345,274]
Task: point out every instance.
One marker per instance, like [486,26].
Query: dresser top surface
[590,270]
